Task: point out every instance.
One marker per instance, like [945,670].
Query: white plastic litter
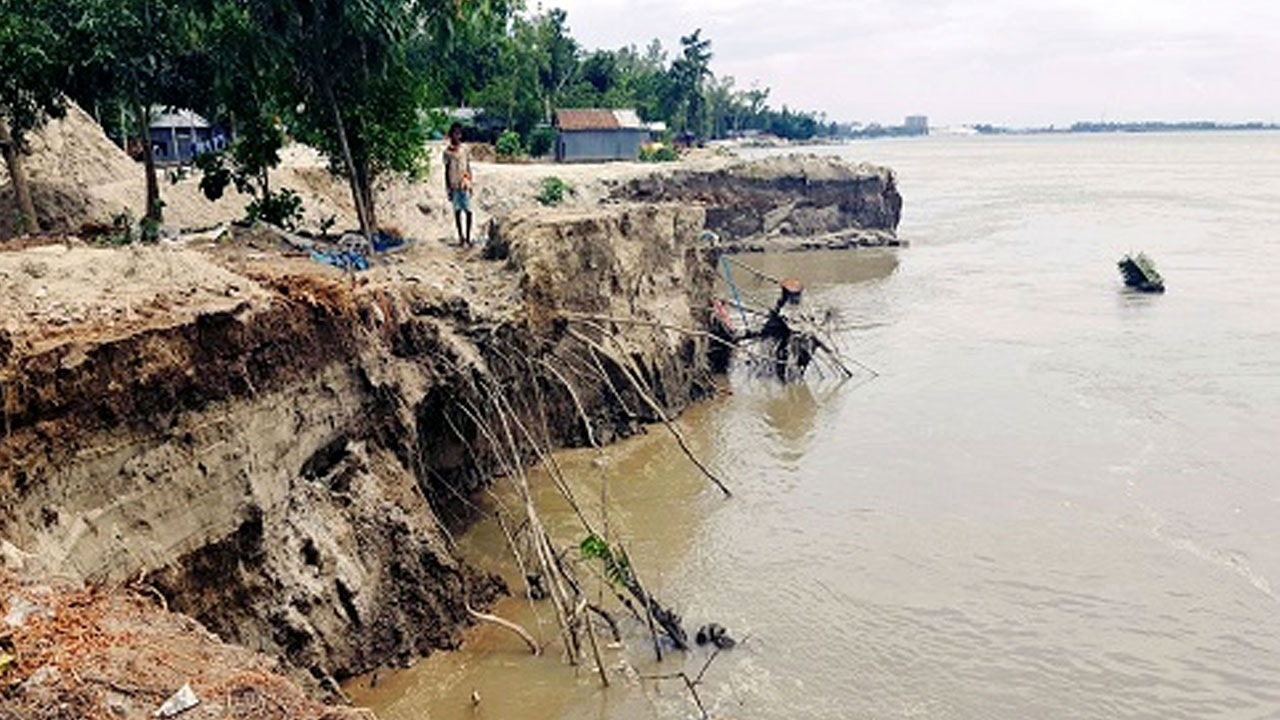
[179,702]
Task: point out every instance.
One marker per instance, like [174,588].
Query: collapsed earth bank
[282,451]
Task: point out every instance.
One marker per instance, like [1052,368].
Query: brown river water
[1057,500]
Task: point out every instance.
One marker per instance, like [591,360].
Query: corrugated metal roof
[176,118]
[586,119]
[598,119]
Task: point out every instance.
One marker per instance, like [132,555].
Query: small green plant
[508,145]
[326,224]
[617,566]
[17,222]
[541,140]
[553,190]
[122,230]
[282,208]
[658,153]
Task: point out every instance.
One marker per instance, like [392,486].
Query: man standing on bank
[457,182]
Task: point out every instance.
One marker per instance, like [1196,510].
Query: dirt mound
[93,654]
[73,150]
[77,175]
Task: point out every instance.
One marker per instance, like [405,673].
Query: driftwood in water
[628,373]
[504,623]
[691,683]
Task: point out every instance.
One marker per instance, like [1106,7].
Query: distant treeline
[1127,127]
[365,82]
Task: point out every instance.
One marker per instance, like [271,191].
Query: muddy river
[1057,500]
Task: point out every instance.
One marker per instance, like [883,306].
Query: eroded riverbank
[286,453]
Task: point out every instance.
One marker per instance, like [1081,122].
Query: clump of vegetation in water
[553,190]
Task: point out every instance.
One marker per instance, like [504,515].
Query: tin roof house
[178,136]
[597,135]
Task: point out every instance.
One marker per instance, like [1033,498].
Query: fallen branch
[653,405]
[690,683]
[502,622]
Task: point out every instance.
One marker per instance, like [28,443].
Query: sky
[1006,62]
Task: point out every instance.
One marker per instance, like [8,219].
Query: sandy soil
[91,654]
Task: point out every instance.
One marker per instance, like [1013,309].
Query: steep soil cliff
[284,462]
[788,202]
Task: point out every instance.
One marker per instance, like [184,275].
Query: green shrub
[282,208]
[658,153]
[541,140]
[508,144]
[122,230]
[553,190]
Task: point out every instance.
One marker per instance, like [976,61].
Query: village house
[595,135]
[178,136]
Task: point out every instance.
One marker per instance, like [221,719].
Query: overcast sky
[1017,62]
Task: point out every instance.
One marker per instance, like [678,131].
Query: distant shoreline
[1083,128]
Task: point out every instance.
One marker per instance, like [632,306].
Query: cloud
[1003,61]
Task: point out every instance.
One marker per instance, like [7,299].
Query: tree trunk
[366,188]
[155,210]
[357,192]
[18,178]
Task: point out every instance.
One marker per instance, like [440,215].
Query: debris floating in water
[1140,273]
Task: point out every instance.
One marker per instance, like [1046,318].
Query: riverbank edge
[118,440]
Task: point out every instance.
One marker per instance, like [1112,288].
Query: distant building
[178,136]
[917,124]
[595,135]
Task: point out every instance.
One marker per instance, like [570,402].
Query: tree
[246,91]
[136,52]
[357,95]
[687,75]
[469,57]
[561,56]
[32,74]
[515,95]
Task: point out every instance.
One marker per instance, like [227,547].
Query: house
[595,135]
[178,135]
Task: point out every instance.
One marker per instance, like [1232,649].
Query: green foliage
[617,566]
[34,63]
[658,154]
[553,190]
[124,231]
[282,208]
[215,175]
[687,75]
[508,144]
[437,123]
[541,141]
